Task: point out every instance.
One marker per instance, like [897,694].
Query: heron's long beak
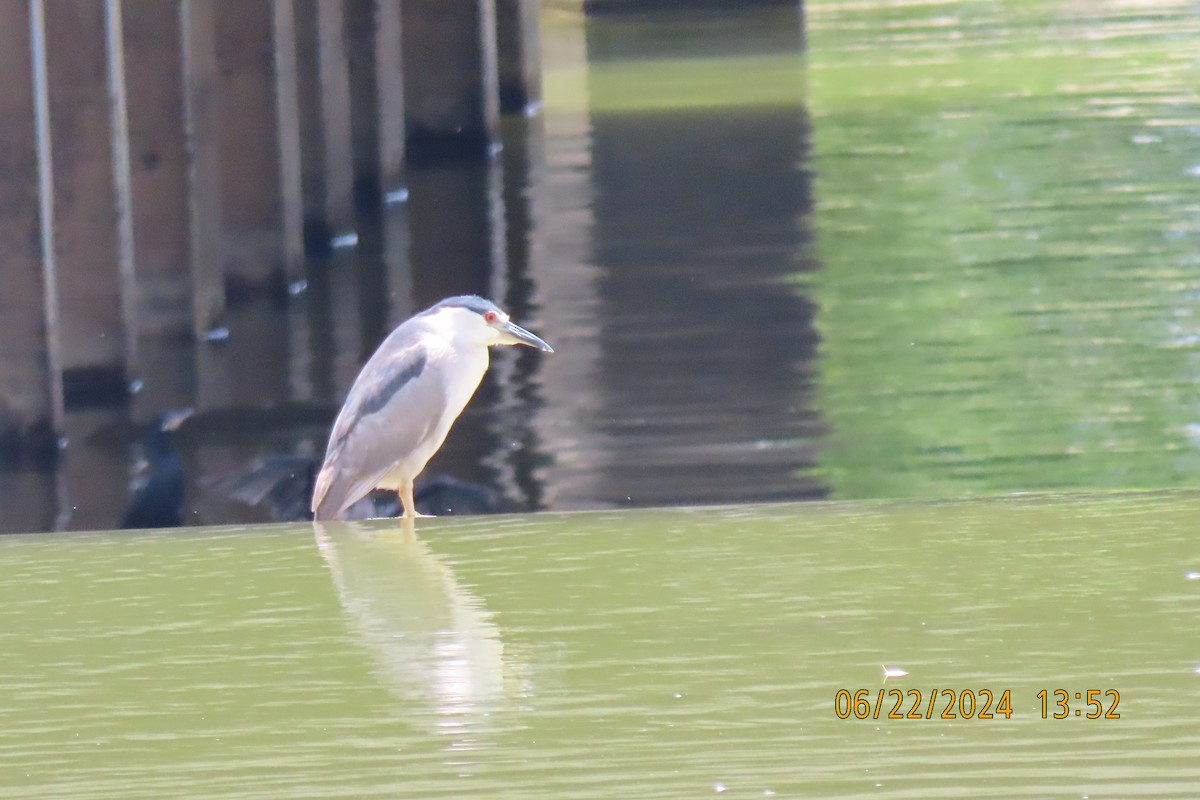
[521,336]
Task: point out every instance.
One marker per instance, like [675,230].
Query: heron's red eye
[489,317]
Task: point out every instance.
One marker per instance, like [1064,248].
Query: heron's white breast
[459,370]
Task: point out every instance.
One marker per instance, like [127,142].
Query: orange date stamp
[970,704]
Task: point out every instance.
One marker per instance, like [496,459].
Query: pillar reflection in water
[452,229]
[463,222]
[706,349]
[562,269]
[699,235]
[516,371]
[432,642]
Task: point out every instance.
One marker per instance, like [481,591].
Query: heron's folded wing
[393,405]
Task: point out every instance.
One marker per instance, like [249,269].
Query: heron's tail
[326,505]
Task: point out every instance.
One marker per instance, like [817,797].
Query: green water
[644,654]
[1007,219]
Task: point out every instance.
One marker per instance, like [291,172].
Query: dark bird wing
[280,484]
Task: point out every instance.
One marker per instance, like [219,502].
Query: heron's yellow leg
[406,497]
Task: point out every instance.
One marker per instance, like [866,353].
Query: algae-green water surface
[1007,221]
[684,653]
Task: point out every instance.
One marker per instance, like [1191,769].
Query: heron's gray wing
[395,401]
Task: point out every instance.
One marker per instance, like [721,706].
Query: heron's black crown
[471,302]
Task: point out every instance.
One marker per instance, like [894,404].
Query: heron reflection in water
[430,640]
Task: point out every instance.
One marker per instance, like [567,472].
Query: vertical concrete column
[201,155]
[376,98]
[397,263]
[259,139]
[160,198]
[30,378]
[451,95]
[335,115]
[114,39]
[519,55]
[323,89]
[389,76]
[452,217]
[287,120]
[90,268]
[312,135]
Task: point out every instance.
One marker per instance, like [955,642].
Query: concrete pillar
[174,118]
[451,96]
[350,352]
[259,139]
[335,115]
[90,267]
[519,55]
[376,98]
[114,39]
[174,293]
[202,155]
[389,76]
[323,90]
[30,381]
[398,272]
[317,232]
[452,230]
[287,121]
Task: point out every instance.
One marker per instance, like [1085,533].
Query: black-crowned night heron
[405,399]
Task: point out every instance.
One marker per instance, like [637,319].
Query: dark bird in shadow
[156,492]
[443,496]
[282,486]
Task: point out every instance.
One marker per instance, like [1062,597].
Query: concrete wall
[156,153]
